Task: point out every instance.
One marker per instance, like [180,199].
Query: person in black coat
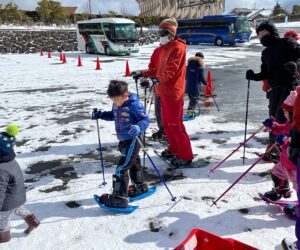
[277,57]
[194,78]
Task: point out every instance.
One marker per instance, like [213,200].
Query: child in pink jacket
[284,170]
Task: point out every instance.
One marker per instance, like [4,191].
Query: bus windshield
[125,31]
[242,25]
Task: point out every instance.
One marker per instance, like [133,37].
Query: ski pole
[137,87]
[144,135]
[233,184]
[156,170]
[215,103]
[246,120]
[242,144]
[100,149]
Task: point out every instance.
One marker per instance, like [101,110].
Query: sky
[131,6]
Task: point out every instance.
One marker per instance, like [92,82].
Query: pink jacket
[284,129]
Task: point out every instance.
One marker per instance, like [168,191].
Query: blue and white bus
[218,30]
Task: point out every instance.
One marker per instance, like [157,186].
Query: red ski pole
[242,144]
[233,184]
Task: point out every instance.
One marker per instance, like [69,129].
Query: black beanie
[269,26]
[200,54]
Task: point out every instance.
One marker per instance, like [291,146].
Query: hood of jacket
[196,59]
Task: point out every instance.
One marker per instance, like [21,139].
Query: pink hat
[289,102]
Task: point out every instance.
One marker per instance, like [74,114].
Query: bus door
[231,32]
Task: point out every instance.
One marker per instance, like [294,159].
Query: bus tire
[88,49]
[219,41]
[107,51]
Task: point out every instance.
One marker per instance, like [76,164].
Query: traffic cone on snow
[61,56]
[41,52]
[64,58]
[79,61]
[209,86]
[98,64]
[49,54]
[127,71]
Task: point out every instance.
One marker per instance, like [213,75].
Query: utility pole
[90,7]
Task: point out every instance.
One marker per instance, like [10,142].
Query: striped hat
[169,24]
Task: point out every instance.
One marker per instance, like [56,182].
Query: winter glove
[294,147]
[134,130]
[96,114]
[250,75]
[155,81]
[280,139]
[136,74]
[291,68]
[269,123]
[145,83]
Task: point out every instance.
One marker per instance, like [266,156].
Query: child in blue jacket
[130,121]
[194,78]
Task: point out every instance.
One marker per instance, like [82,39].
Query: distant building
[181,8]
[69,10]
[257,16]
[240,12]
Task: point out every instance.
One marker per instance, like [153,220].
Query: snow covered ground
[52,103]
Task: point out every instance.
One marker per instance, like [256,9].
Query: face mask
[164,40]
[268,40]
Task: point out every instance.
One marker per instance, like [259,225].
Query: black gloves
[250,75]
[136,74]
[145,83]
[96,114]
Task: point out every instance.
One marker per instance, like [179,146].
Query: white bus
[110,36]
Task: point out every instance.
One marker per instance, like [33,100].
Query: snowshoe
[150,191]
[137,189]
[277,193]
[113,201]
[291,211]
[166,154]
[177,162]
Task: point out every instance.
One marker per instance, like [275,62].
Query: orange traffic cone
[127,71]
[41,52]
[61,56]
[98,64]
[209,87]
[64,58]
[79,61]
[49,54]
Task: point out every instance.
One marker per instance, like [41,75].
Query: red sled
[201,240]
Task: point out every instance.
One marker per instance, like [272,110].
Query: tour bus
[110,36]
[218,30]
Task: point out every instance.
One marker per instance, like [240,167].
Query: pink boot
[32,222]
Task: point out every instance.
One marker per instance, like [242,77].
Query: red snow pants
[179,141]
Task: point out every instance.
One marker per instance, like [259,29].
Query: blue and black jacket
[194,76]
[132,112]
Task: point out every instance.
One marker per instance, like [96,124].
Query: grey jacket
[12,189]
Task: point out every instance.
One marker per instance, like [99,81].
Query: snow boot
[32,222]
[167,154]
[191,113]
[119,197]
[137,177]
[137,189]
[289,244]
[5,236]
[177,162]
[291,211]
[281,189]
[159,136]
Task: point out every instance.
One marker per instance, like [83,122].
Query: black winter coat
[273,59]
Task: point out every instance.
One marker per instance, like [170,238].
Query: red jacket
[171,70]
[296,113]
[152,67]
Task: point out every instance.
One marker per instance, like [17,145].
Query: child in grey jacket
[12,189]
